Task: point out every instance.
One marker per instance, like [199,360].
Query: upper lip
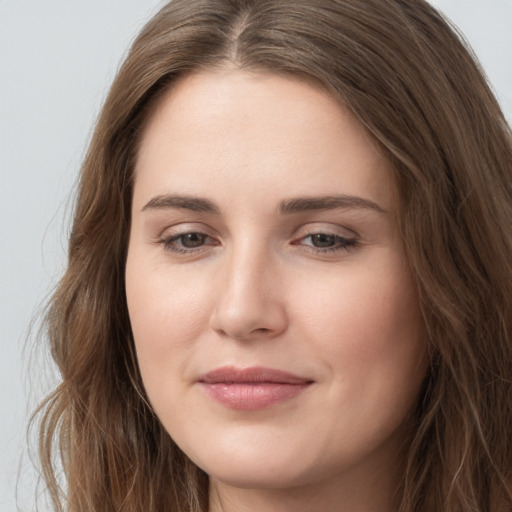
[252,375]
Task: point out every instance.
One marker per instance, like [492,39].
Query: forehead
[257,130]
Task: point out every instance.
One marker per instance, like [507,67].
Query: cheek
[368,325]
[167,315]
[368,330]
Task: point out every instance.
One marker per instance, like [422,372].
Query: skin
[257,290]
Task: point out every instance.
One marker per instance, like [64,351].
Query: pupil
[192,240]
[322,240]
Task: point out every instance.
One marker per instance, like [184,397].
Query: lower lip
[253,396]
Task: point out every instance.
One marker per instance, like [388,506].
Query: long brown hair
[413,84]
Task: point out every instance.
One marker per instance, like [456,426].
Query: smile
[252,388]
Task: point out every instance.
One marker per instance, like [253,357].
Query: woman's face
[275,317]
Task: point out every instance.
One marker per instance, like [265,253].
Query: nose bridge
[248,269]
[250,301]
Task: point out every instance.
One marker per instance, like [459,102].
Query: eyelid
[327,228]
[344,241]
[170,244]
[182,228]
[169,238]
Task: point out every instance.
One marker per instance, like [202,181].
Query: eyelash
[341,243]
[169,243]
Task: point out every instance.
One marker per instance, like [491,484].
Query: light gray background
[57,59]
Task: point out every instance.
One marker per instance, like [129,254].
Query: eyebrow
[302,204]
[288,206]
[196,204]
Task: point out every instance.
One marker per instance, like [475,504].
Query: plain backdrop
[57,59]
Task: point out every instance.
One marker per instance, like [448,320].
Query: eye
[187,243]
[191,240]
[326,242]
[323,240]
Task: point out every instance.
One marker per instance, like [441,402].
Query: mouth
[252,388]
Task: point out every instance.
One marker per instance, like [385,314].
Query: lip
[252,388]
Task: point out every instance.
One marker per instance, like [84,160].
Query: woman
[288,279]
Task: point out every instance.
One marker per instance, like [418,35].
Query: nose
[250,302]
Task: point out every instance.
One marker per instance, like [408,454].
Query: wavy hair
[412,82]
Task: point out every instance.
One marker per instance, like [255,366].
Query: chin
[247,476]
[260,468]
